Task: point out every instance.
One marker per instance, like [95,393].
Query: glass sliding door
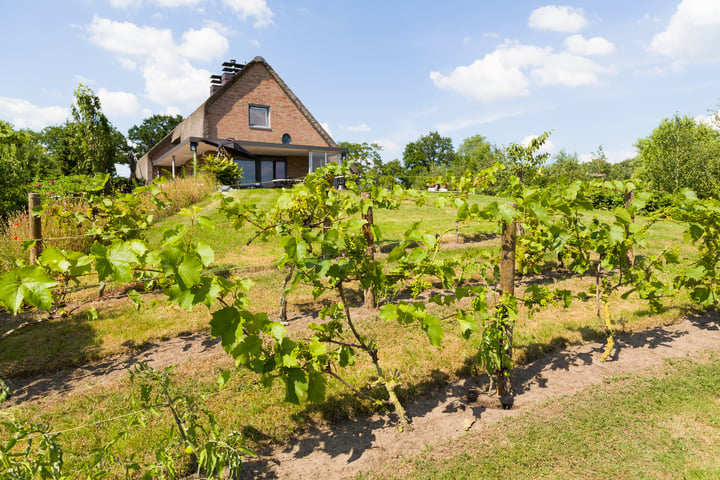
[267,172]
[247,172]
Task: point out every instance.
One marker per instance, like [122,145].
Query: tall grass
[62,231]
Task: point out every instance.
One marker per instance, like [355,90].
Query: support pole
[505,387]
[35,227]
[367,230]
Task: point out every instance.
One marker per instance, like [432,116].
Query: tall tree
[99,144]
[430,153]
[680,153]
[151,131]
[476,153]
[525,161]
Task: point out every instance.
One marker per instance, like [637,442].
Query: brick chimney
[230,68]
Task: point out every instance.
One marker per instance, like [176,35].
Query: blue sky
[595,73]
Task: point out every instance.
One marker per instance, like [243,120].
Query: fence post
[35,227]
[367,230]
[507,284]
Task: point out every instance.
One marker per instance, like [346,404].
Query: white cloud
[23,114]
[118,103]
[492,78]
[567,70]
[579,45]
[203,43]
[509,72]
[257,9]
[170,78]
[558,19]
[363,127]
[693,33]
[326,127]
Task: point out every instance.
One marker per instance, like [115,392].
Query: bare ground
[371,444]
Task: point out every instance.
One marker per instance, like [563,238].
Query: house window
[259,116]
[316,160]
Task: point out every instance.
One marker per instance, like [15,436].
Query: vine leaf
[30,285]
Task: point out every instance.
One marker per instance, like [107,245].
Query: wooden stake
[369,295]
[507,283]
[35,227]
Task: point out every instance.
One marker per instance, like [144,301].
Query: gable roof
[195,124]
[293,98]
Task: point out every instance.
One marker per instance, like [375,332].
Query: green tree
[151,131]
[564,169]
[364,155]
[623,170]
[475,153]
[430,154]
[681,153]
[23,159]
[99,145]
[598,168]
[525,162]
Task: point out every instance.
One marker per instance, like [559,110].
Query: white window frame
[266,108]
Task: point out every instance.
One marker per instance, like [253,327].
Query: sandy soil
[372,443]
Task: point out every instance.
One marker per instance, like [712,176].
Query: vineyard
[330,304]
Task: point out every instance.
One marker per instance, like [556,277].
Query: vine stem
[389,384]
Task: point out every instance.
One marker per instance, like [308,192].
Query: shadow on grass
[85,366]
[47,346]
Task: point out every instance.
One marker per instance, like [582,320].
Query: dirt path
[371,443]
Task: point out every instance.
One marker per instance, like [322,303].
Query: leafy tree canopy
[364,155]
[429,154]
[476,153]
[681,153]
[151,131]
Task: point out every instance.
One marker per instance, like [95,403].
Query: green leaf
[296,385]
[317,387]
[27,285]
[433,329]
[226,323]
[207,255]
[190,270]
[135,298]
[224,378]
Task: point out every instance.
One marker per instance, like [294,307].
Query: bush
[225,172]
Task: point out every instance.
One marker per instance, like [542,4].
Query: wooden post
[629,197]
[35,227]
[507,283]
[369,295]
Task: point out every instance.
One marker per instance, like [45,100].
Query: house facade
[254,117]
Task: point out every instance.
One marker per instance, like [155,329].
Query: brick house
[255,117]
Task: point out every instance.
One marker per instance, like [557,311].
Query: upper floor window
[259,116]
